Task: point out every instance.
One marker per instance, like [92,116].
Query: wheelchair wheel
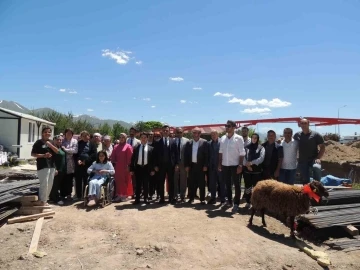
[86,195]
[110,190]
[102,200]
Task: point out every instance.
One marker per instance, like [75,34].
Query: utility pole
[338,120]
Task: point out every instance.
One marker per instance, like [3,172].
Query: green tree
[105,129]
[117,129]
[146,126]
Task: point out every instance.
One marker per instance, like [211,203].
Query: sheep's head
[319,189]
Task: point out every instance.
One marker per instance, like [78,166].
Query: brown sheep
[284,199]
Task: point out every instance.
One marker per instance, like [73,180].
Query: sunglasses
[228,126]
[287,132]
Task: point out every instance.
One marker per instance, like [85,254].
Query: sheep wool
[280,198]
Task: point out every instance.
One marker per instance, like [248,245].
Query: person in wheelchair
[99,171]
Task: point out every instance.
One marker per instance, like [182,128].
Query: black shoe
[182,200]
[173,201]
[202,202]
[211,201]
[162,201]
[146,202]
[190,201]
[136,202]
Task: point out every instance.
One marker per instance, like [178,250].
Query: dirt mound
[340,153]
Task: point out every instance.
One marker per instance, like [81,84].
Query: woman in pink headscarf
[121,157]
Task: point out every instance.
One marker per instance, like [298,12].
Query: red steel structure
[315,121]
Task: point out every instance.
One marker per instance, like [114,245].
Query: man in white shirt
[133,142]
[142,165]
[231,155]
[289,164]
[196,161]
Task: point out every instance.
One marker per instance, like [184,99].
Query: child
[102,168]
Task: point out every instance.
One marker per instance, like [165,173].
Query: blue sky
[165,60]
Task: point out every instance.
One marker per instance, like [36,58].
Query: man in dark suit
[166,164]
[142,165]
[274,155]
[214,173]
[196,164]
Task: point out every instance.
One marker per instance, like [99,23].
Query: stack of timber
[12,190]
[337,197]
[346,244]
[333,215]
[6,211]
[30,210]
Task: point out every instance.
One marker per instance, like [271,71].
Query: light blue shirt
[101,166]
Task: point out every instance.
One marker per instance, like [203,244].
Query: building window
[31,134]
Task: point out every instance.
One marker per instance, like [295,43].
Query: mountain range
[14,106]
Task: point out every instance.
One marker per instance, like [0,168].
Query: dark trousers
[230,177]
[268,173]
[166,169]
[152,185]
[251,180]
[142,175]
[216,184]
[54,194]
[196,180]
[66,185]
[81,177]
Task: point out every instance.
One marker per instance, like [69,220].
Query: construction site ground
[123,236]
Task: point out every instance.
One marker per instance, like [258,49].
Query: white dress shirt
[231,149]
[145,154]
[290,154]
[167,141]
[195,147]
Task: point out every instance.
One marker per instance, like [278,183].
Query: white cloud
[218,94]
[192,102]
[87,98]
[147,99]
[134,97]
[197,88]
[106,101]
[183,101]
[186,121]
[153,106]
[176,79]
[274,103]
[265,113]
[90,110]
[73,92]
[121,57]
[246,102]
[257,110]
[62,90]
[139,63]
[49,87]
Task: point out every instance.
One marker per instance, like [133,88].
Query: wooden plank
[29,211]
[36,236]
[31,217]
[30,198]
[36,207]
[351,230]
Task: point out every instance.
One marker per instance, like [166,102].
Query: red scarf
[311,193]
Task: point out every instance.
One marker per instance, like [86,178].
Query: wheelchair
[107,191]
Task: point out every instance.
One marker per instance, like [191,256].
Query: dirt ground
[123,236]
[340,153]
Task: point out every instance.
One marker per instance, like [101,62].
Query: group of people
[142,166]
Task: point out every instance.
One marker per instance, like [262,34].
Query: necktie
[179,148]
[131,141]
[143,155]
